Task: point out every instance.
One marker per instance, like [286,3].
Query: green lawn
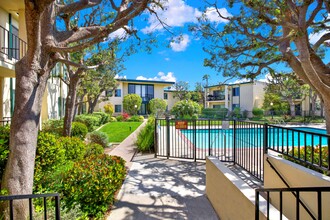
[118,131]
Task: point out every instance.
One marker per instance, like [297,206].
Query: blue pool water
[251,137]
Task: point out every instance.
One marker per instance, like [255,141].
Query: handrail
[11,45]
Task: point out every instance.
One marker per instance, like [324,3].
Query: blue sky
[178,61]
[181,60]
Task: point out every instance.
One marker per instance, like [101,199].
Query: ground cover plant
[118,131]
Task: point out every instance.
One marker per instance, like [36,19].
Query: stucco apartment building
[147,89]
[245,95]
[13,47]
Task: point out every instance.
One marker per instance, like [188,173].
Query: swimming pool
[253,137]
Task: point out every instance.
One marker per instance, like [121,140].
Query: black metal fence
[240,142]
[55,197]
[299,204]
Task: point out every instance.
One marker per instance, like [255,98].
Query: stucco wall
[230,196]
[296,176]
[258,94]
[246,96]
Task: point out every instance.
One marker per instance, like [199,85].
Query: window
[236,91]
[117,108]
[165,96]
[145,91]
[235,106]
[218,106]
[131,89]
[108,93]
[118,93]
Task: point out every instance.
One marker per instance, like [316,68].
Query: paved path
[163,189]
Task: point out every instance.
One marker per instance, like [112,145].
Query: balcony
[216,98]
[11,46]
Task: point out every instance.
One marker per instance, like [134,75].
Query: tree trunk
[19,172]
[292,108]
[313,107]
[92,104]
[70,105]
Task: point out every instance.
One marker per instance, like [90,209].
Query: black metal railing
[298,194]
[5,121]
[29,197]
[11,45]
[243,143]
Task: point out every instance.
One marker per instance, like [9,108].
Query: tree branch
[77,6]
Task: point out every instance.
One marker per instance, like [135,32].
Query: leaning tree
[264,35]
[47,40]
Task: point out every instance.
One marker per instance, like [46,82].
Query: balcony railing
[11,46]
[216,98]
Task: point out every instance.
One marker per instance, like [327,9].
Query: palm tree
[206,78]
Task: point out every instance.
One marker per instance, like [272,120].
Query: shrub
[90,121]
[92,183]
[79,130]
[257,112]
[53,126]
[145,139]
[141,118]
[132,103]
[108,108]
[219,113]
[125,116]
[182,108]
[104,117]
[4,147]
[113,119]
[157,106]
[136,118]
[98,137]
[93,149]
[236,112]
[74,147]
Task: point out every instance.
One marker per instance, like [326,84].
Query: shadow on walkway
[163,189]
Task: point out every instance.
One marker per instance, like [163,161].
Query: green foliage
[112,119]
[258,112]
[104,117]
[279,107]
[4,147]
[74,147]
[237,112]
[136,118]
[145,139]
[132,103]
[120,118]
[53,126]
[109,109]
[79,129]
[98,137]
[89,120]
[157,106]
[92,184]
[93,149]
[49,153]
[181,91]
[219,113]
[186,108]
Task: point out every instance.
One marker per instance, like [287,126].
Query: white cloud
[120,34]
[120,77]
[238,81]
[167,59]
[212,15]
[313,38]
[177,13]
[180,43]
[267,78]
[161,76]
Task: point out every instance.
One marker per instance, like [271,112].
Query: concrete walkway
[160,189]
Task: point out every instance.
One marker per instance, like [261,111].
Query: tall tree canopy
[265,33]
[54,28]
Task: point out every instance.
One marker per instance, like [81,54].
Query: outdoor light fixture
[272,111]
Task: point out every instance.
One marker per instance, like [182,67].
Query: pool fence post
[209,137]
[265,138]
[328,172]
[195,148]
[168,136]
[234,141]
[155,138]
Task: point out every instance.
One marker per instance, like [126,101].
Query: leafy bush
[113,119]
[120,118]
[136,118]
[257,112]
[219,113]
[157,106]
[90,121]
[104,117]
[92,184]
[4,147]
[186,108]
[236,112]
[109,109]
[53,126]
[79,130]
[93,149]
[74,147]
[125,116]
[98,137]
[132,103]
[145,139]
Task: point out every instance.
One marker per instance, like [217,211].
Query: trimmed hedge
[219,113]
[89,120]
[79,130]
[98,137]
